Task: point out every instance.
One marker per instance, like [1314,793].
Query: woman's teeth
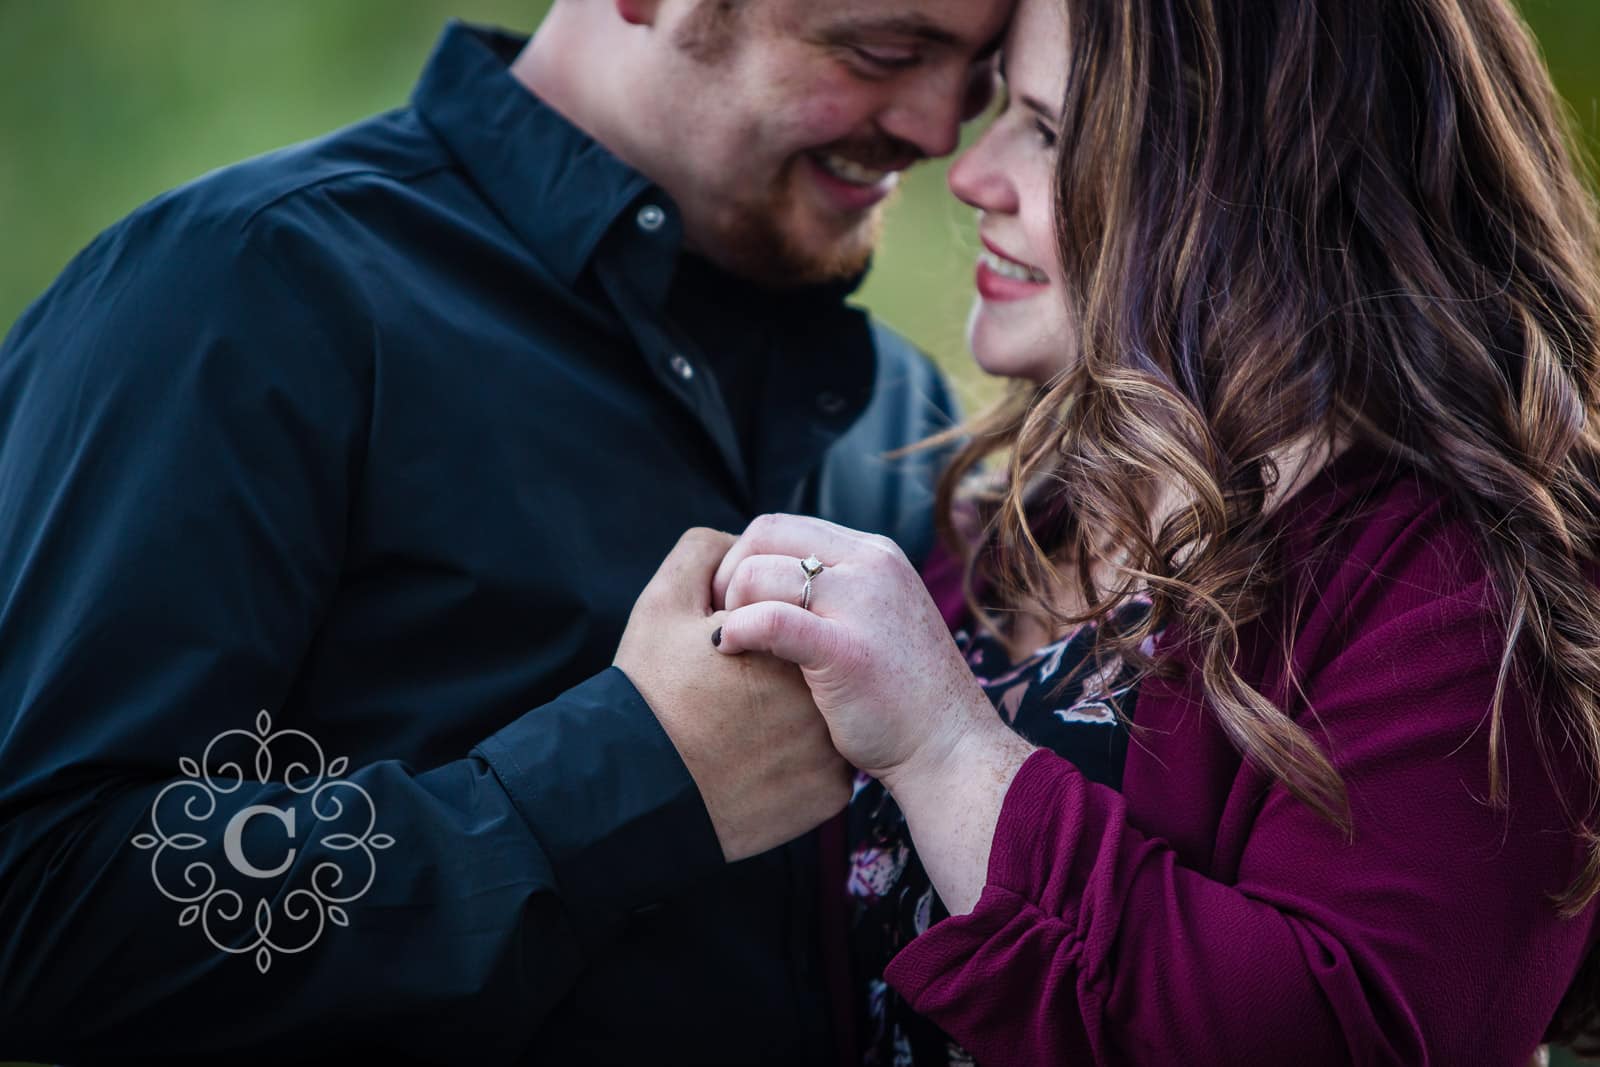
[847,170]
[1009,269]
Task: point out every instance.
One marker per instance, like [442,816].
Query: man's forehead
[962,25]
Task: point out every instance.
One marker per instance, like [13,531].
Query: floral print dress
[1057,698]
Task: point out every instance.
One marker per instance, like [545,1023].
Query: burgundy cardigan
[1203,915]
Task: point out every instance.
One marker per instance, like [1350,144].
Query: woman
[1300,501]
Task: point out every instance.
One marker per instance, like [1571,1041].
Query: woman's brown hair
[1355,219]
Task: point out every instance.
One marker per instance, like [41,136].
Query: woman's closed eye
[1042,127]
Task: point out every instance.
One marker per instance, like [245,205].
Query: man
[383,435]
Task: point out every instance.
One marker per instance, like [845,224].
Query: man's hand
[745,726]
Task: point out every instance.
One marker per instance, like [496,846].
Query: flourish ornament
[322,900]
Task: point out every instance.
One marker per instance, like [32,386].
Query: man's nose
[928,111]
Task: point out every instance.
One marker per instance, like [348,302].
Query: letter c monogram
[235,830]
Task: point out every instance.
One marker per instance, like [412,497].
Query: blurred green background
[109,102]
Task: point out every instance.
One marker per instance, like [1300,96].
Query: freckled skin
[900,702]
[1008,175]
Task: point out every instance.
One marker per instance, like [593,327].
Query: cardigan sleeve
[1425,936]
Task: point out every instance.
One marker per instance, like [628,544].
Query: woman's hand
[899,700]
[881,664]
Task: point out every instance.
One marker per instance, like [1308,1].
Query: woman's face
[1019,326]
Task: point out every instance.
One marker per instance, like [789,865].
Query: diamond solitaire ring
[813,567]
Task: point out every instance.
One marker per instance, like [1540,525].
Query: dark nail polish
[716,637]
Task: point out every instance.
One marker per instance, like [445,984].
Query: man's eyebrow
[910,25]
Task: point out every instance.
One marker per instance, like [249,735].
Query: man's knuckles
[692,562]
[705,539]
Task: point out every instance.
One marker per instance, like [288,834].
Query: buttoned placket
[634,266]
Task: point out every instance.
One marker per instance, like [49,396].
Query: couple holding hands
[1245,708]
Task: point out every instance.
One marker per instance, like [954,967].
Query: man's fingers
[685,575]
[782,630]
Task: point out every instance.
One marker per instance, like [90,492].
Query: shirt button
[650,218]
[830,403]
[682,368]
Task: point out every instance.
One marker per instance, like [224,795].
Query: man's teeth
[1015,271]
[850,171]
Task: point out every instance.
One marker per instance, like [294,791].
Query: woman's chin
[1011,363]
[1015,347]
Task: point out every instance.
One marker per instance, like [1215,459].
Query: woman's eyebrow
[1038,108]
[1049,114]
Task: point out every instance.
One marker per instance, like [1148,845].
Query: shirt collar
[556,187]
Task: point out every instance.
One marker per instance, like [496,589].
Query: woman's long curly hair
[1355,219]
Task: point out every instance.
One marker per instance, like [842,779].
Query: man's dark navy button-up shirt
[382,434]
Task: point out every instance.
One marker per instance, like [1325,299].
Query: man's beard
[750,239]
[754,243]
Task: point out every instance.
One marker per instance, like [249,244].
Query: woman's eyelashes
[1009,106]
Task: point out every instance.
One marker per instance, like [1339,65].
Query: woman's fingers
[779,578]
[795,536]
[783,630]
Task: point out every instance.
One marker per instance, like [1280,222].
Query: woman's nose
[978,178]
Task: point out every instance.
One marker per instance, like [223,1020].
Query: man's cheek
[824,116]
[983,83]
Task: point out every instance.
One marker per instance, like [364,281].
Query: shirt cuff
[608,799]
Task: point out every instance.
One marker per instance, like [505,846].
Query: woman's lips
[1001,278]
